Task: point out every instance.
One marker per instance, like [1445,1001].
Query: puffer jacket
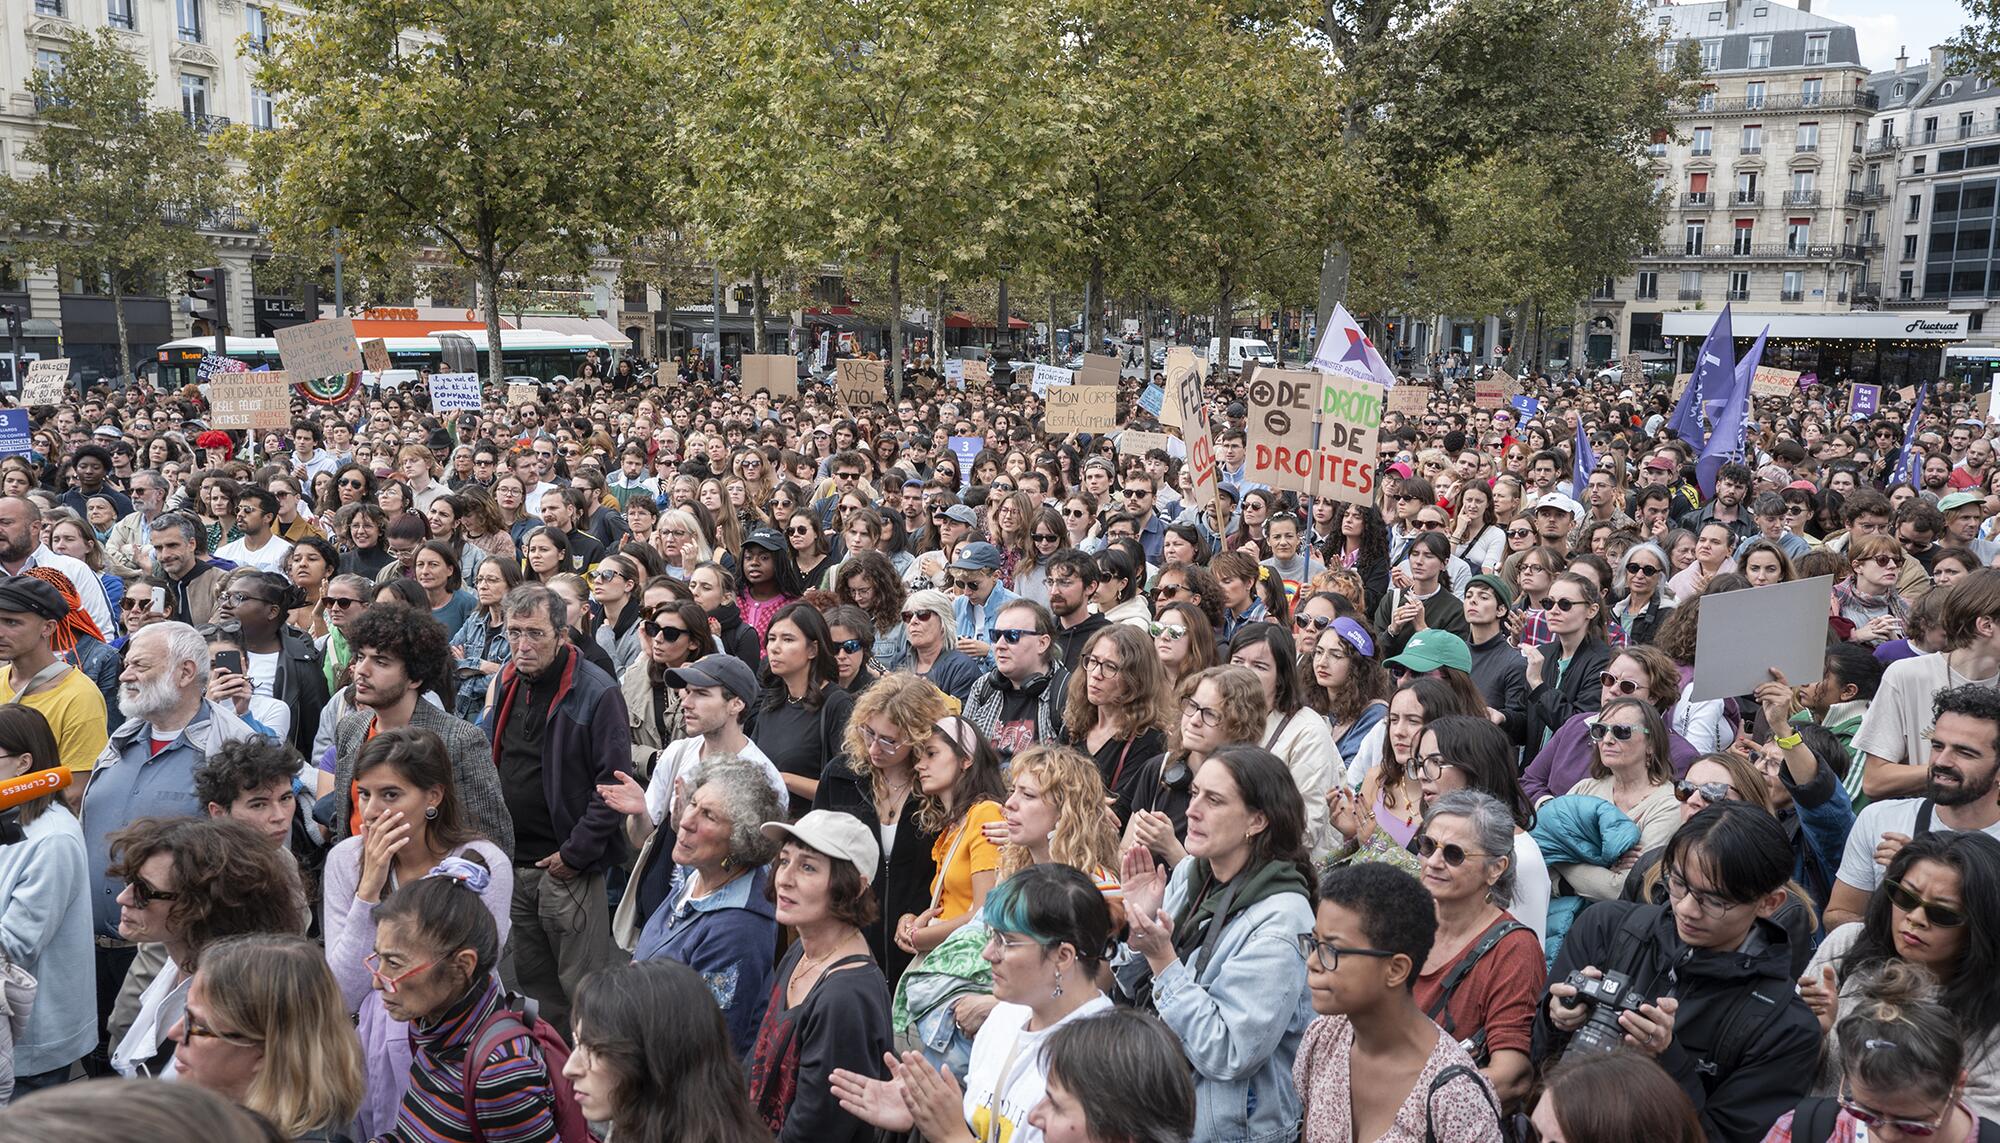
[1577,828]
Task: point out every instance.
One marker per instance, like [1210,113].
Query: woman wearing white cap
[829,1005]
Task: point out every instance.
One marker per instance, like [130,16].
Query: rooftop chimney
[1805,5]
[1902,58]
[1732,11]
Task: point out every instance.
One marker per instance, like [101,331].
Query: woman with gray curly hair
[718,919]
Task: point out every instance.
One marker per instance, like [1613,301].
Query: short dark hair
[1736,474]
[413,636]
[261,497]
[1396,911]
[236,768]
[1743,850]
[1856,666]
[228,877]
[408,526]
[1130,1067]
[1970,700]
[1077,562]
[848,898]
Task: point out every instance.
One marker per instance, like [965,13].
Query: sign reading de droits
[1314,433]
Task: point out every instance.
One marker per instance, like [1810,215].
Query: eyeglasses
[1098,665]
[1329,954]
[237,598]
[849,646]
[1400,672]
[528,634]
[876,741]
[1916,1128]
[1599,731]
[1169,630]
[1519,533]
[1941,915]
[1679,890]
[662,631]
[1454,854]
[1314,622]
[144,894]
[1710,791]
[389,984]
[1205,716]
[1621,686]
[193,1028]
[1013,635]
[1168,591]
[1005,942]
[1430,767]
[1637,568]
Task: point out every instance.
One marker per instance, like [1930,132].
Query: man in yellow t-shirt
[29,609]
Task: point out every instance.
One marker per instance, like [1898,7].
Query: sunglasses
[1430,525]
[1710,792]
[341,601]
[1454,854]
[1563,605]
[1519,533]
[1013,635]
[1045,538]
[1075,513]
[1915,1128]
[661,631]
[1599,731]
[799,531]
[1621,686]
[1169,630]
[144,894]
[913,616]
[849,646]
[1315,622]
[1941,915]
[965,583]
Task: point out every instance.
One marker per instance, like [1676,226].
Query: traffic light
[13,316]
[208,300]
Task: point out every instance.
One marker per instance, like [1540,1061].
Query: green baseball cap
[1431,648]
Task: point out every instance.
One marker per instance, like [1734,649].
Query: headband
[470,874]
[961,733]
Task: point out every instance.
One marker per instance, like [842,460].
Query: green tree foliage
[119,191]
[1976,48]
[506,133]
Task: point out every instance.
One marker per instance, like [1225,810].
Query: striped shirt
[515,1101]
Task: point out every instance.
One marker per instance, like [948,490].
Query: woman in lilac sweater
[1643,672]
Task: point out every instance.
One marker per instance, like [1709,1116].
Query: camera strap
[1439,1009]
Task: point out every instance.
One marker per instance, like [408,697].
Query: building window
[1753,95]
[1711,52]
[1693,234]
[1917,164]
[1810,92]
[49,7]
[1739,285]
[263,115]
[1740,241]
[187,17]
[1703,142]
[1607,289]
[1906,283]
[1808,137]
[1815,50]
[1760,51]
[48,62]
[257,29]
[1909,247]
[1965,124]
[194,99]
[118,13]
[1916,207]
[1706,100]
[1649,286]
[1793,289]
[1975,321]
[1929,133]
[1798,235]
[1690,285]
[1753,138]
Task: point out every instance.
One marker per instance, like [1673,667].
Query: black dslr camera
[1606,997]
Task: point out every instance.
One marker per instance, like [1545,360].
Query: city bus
[533,353]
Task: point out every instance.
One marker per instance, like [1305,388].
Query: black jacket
[1551,704]
[737,637]
[1502,677]
[1072,640]
[902,883]
[1744,997]
[302,681]
[1441,610]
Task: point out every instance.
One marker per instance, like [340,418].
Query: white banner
[455,393]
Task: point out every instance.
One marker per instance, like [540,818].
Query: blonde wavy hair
[1243,707]
[1082,838]
[914,705]
[277,990]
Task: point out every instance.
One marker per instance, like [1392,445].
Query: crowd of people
[680,763]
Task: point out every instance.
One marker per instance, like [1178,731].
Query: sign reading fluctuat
[455,393]
[860,382]
[251,400]
[47,382]
[321,348]
[1081,409]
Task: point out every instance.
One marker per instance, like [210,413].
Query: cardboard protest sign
[375,355]
[1864,399]
[1181,363]
[1341,465]
[1190,404]
[1489,394]
[521,392]
[1743,634]
[954,372]
[859,382]
[1137,443]
[455,393]
[1409,399]
[977,374]
[47,382]
[1507,382]
[1770,382]
[251,400]
[14,433]
[1280,411]
[1098,369]
[1081,409]
[320,348]
[1049,377]
[776,373]
[1630,373]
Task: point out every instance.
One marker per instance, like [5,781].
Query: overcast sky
[1883,26]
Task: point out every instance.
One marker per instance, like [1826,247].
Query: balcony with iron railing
[1806,148]
[1751,149]
[1642,294]
[1746,198]
[1871,241]
[1801,198]
[206,125]
[1882,145]
[1690,295]
[1863,196]
[1702,199]
[1742,295]
[1773,252]
[1791,295]
[1699,152]
[1793,101]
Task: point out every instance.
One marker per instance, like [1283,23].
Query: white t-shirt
[263,673]
[1897,815]
[680,757]
[269,558]
[1898,723]
[1005,1035]
[1532,886]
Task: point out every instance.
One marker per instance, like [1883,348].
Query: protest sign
[1081,409]
[521,392]
[860,382]
[965,448]
[211,365]
[1863,400]
[1049,377]
[1181,362]
[1771,382]
[455,393]
[954,372]
[1190,405]
[1098,369]
[1137,443]
[1489,394]
[1279,425]
[1153,398]
[1525,406]
[14,433]
[1743,634]
[1409,399]
[978,374]
[1342,464]
[375,355]
[775,373]
[320,348]
[1809,380]
[251,400]
[1631,374]
[48,382]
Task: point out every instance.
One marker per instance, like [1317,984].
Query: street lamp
[1004,334]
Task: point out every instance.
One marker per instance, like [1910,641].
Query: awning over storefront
[958,319]
[579,327]
[1855,325]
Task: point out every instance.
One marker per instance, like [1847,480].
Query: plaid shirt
[1535,629]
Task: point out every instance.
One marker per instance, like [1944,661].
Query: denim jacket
[473,636]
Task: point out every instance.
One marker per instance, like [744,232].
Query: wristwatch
[1787,741]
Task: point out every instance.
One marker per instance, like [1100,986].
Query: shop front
[1878,347]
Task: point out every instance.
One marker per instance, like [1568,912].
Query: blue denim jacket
[472,635]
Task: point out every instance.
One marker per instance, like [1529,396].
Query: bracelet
[1787,741]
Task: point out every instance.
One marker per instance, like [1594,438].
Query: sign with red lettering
[1184,387]
[1283,404]
[1347,414]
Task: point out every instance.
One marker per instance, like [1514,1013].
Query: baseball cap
[1660,464]
[1402,470]
[962,514]
[1432,648]
[977,556]
[716,670]
[1960,499]
[765,538]
[1558,500]
[1496,585]
[836,834]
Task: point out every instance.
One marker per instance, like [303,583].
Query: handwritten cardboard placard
[1182,364]
[320,348]
[1771,382]
[1081,409]
[1280,411]
[775,373]
[15,433]
[1630,372]
[859,382]
[977,374]
[47,382]
[1341,464]
[1409,399]
[522,393]
[455,393]
[375,355]
[954,372]
[1098,369]
[1049,377]
[251,400]
[1488,394]
[1135,443]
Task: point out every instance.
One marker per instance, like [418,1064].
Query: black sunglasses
[1599,731]
[1564,605]
[659,631]
[1943,916]
[1710,791]
[848,646]
[1454,854]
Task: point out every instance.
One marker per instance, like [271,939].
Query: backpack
[1438,1010]
[1444,1077]
[1748,1013]
[1813,1122]
[521,1015]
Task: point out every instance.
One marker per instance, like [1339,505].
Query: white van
[1242,349]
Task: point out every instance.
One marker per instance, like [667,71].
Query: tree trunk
[1093,306]
[757,311]
[489,283]
[664,351]
[937,334]
[125,338]
[896,326]
[1052,329]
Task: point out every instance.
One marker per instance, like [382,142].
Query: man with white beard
[147,770]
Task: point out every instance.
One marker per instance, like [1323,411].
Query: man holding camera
[1703,983]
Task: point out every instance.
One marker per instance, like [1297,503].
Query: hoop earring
[430,813]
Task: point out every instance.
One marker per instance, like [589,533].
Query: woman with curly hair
[365,531]
[867,580]
[1360,540]
[1055,812]
[1348,684]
